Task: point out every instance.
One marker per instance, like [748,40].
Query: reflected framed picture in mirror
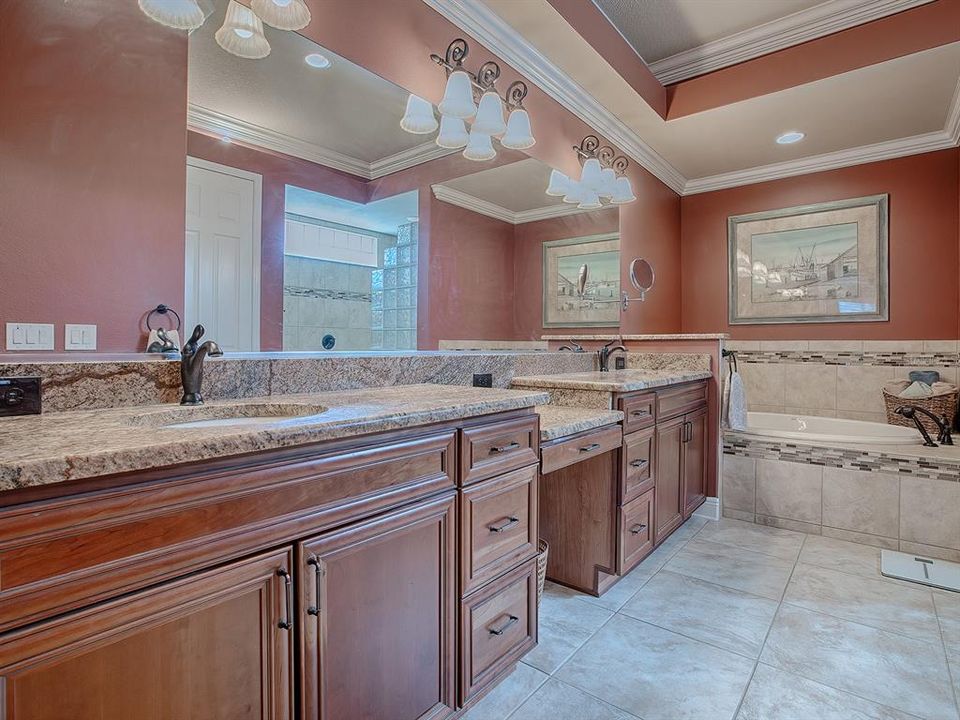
[581,282]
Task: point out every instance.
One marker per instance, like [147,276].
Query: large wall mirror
[276,201]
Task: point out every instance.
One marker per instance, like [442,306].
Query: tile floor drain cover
[916,568]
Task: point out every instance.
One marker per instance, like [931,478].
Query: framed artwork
[810,264]
[581,282]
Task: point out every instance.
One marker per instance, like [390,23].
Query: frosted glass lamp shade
[242,33]
[489,119]
[419,118]
[458,97]
[574,193]
[282,14]
[479,146]
[590,176]
[453,133]
[623,192]
[589,201]
[559,184]
[179,14]
[608,183]
[519,136]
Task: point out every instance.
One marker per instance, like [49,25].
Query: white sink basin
[215,416]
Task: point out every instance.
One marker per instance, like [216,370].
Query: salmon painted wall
[528,266]
[924,247]
[277,172]
[92,191]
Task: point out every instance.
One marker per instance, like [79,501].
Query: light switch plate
[29,336]
[80,337]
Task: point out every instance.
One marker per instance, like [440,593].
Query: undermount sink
[240,415]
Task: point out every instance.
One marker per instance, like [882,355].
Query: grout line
[954,681]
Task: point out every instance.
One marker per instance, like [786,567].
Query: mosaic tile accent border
[845,458]
[324,294]
[897,359]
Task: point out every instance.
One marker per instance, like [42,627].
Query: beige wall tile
[752,345]
[739,483]
[930,551]
[753,407]
[867,502]
[892,345]
[859,387]
[877,417]
[862,538]
[784,345]
[930,512]
[786,524]
[818,412]
[941,345]
[810,385]
[763,383]
[836,345]
[789,490]
[738,514]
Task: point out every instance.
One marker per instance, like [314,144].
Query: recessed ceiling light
[316,60]
[788,138]
[225,139]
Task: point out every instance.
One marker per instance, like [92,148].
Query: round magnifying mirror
[641,275]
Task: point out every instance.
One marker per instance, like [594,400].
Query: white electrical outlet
[80,337]
[29,336]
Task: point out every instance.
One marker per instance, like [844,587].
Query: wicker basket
[944,404]
[544,548]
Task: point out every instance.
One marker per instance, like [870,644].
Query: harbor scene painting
[581,282]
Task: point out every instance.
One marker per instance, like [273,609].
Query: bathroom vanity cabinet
[387,576]
[608,497]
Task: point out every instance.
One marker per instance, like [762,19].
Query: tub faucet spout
[943,424]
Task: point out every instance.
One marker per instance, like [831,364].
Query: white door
[222,280]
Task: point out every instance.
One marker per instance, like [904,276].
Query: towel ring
[162,309]
[731,359]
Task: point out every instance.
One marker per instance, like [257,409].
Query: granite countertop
[557,421]
[613,381]
[60,446]
[666,336]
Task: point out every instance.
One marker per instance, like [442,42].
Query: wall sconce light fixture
[602,178]
[474,96]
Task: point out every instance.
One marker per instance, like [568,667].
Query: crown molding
[952,128]
[450,195]
[479,21]
[212,121]
[815,22]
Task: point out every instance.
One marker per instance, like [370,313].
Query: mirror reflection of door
[222,262]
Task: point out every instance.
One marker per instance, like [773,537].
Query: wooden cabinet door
[695,462]
[214,646]
[668,491]
[378,609]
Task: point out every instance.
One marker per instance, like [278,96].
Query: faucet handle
[191,344]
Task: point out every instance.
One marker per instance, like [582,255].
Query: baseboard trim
[710,510]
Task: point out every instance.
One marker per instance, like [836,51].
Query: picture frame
[599,305]
[820,263]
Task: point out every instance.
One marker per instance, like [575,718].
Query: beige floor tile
[887,606]
[509,694]
[904,673]
[866,502]
[658,675]
[558,701]
[890,543]
[930,512]
[777,695]
[807,528]
[626,587]
[743,515]
[789,490]
[948,612]
[783,544]
[848,557]
[691,607]
[734,568]
[566,623]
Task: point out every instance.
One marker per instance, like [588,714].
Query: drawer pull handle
[504,448]
[639,463]
[637,529]
[513,620]
[285,622]
[590,447]
[509,522]
[314,562]
[640,413]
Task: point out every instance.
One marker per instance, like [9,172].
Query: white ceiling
[660,28]
[345,108]
[517,187]
[383,216]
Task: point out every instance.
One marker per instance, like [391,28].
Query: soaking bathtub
[811,428]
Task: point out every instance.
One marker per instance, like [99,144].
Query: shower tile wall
[321,297]
[394,293]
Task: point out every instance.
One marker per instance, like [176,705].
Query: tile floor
[734,620]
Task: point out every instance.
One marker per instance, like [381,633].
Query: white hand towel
[735,403]
[917,389]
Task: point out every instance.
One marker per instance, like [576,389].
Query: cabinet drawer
[671,403]
[638,411]
[498,625]
[496,448]
[636,531]
[580,448]
[498,526]
[638,464]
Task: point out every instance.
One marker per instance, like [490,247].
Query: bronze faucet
[604,353]
[191,366]
[943,424]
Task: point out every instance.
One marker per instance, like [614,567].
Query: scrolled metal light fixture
[602,177]
[474,96]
